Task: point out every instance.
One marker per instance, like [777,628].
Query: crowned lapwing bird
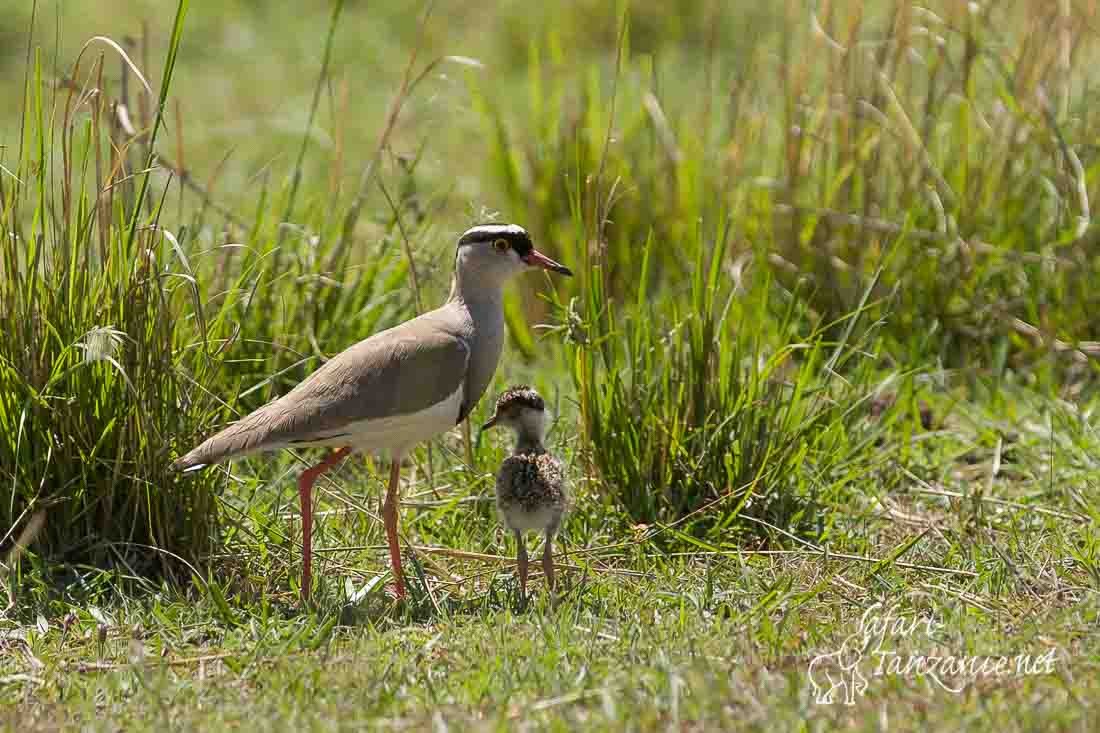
[530,483]
[395,389]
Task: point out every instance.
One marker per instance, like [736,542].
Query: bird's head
[492,253]
[523,410]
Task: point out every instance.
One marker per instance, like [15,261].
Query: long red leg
[389,518]
[305,495]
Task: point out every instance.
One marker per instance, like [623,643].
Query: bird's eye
[501,245]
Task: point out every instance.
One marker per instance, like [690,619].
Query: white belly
[519,520]
[396,436]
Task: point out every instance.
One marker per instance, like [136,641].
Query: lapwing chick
[395,389]
[530,483]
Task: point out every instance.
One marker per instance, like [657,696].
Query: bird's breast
[486,345]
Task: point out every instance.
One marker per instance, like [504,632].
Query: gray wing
[403,370]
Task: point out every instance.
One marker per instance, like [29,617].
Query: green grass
[831,344]
[623,651]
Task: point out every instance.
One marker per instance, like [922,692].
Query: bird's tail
[235,440]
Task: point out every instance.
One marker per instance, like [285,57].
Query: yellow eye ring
[501,245]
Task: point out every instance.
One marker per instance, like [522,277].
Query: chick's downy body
[531,492]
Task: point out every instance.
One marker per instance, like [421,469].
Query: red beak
[534,258]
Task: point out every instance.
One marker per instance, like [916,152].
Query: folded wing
[403,370]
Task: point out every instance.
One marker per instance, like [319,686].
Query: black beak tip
[562,269]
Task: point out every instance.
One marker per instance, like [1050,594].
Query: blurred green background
[247,71]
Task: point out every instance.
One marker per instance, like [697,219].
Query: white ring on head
[495,230]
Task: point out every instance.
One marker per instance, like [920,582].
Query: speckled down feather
[531,492]
[520,395]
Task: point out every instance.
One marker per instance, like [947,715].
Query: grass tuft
[711,394]
[91,374]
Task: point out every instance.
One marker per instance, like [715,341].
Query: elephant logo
[837,673]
